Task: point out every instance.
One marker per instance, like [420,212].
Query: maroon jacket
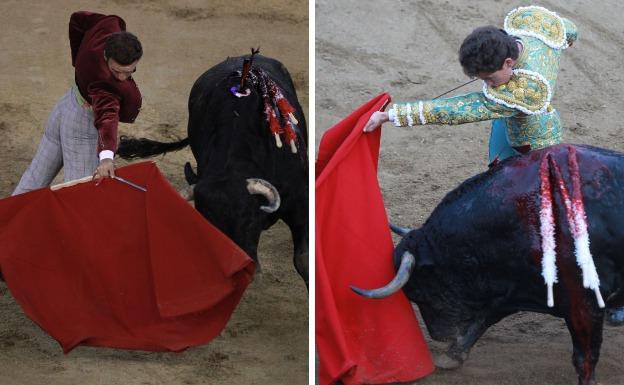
[112,100]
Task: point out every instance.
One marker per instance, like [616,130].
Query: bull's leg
[585,326]
[459,349]
[299,233]
[614,315]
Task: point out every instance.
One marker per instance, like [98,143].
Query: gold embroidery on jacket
[537,21]
[523,90]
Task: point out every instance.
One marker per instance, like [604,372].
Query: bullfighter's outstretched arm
[472,107]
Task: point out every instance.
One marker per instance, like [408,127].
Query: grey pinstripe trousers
[69,141]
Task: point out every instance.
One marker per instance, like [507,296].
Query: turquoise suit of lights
[520,109]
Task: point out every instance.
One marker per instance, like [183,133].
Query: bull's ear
[415,242]
[423,259]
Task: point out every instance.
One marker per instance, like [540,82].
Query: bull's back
[515,186]
[212,84]
[494,217]
[214,75]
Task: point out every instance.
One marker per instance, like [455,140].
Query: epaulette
[526,91]
[537,22]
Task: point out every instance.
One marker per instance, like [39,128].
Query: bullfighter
[81,132]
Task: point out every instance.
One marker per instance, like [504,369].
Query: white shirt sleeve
[106,154]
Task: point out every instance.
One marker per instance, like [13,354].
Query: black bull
[477,259]
[231,143]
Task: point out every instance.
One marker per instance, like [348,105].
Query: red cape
[359,340]
[113,266]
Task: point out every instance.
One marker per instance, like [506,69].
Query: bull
[478,258]
[242,162]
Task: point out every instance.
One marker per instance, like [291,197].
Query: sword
[456,88]
[136,186]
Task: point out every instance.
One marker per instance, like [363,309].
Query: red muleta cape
[359,340]
[114,266]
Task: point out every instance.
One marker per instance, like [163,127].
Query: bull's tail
[132,148]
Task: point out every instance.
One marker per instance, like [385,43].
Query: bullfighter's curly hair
[485,50]
[123,47]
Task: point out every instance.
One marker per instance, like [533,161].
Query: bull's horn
[399,230]
[399,280]
[266,189]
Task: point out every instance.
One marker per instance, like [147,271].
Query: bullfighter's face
[500,77]
[121,72]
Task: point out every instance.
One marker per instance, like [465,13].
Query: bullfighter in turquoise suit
[521,110]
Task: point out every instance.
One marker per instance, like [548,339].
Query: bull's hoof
[615,317]
[446,362]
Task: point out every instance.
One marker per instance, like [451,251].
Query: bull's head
[423,281]
[236,186]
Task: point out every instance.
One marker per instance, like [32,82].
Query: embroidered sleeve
[472,107]
[570,29]
[539,23]
[526,91]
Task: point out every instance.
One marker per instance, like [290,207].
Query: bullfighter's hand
[376,120]
[106,169]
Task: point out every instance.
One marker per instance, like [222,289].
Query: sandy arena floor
[409,48]
[181,40]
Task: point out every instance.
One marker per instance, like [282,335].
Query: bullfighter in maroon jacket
[81,132]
